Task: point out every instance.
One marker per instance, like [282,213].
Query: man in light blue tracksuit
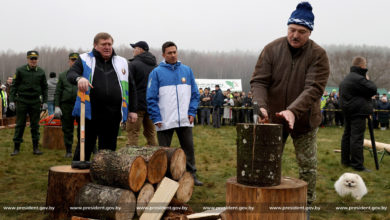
[172,100]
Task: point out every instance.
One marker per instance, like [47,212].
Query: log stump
[155,157]
[116,169]
[63,185]
[105,202]
[186,187]
[53,137]
[143,198]
[176,162]
[259,154]
[252,202]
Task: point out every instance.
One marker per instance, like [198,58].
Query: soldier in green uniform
[65,97]
[28,85]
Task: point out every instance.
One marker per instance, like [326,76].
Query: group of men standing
[116,91]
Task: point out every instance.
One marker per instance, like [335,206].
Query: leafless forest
[217,65]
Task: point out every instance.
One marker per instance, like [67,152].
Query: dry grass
[23,179]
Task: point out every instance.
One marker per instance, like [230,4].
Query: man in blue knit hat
[288,82]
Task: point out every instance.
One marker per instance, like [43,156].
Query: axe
[82,164]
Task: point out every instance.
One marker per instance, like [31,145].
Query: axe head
[82,165]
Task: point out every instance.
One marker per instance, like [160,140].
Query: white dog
[351,183]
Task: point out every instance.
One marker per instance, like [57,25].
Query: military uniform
[27,87]
[65,98]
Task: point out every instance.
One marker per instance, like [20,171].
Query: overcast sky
[203,25]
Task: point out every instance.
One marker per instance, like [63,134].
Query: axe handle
[82,127]
[371,129]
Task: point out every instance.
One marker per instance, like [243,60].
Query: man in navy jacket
[172,98]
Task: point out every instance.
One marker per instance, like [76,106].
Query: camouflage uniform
[306,154]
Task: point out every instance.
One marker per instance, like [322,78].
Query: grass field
[23,178]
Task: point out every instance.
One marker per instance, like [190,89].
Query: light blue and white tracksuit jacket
[172,95]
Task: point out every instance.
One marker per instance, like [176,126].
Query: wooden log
[105,202]
[155,157]
[143,198]
[161,199]
[207,215]
[119,170]
[63,185]
[252,202]
[176,162]
[53,137]
[259,154]
[379,145]
[186,187]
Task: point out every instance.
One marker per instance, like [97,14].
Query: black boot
[196,181]
[36,151]
[68,151]
[16,149]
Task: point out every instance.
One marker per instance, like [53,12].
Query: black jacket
[356,92]
[218,98]
[140,67]
[105,97]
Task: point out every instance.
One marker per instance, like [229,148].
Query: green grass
[23,178]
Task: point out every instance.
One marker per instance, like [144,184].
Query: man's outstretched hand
[288,116]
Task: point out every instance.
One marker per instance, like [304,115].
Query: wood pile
[136,181]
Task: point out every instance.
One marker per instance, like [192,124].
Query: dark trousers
[105,129]
[205,116]
[217,117]
[33,110]
[339,118]
[186,142]
[67,121]
[352,142]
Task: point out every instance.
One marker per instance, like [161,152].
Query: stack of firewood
[136,181]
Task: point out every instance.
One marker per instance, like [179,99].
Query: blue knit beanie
[303,15]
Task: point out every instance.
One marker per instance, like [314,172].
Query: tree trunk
[155,157]
[119,170]
[259,154]
[379,145]
[186,187]
[104,202]
[63,185]
[143,198]
[176,162]
[53,137]
[253,202]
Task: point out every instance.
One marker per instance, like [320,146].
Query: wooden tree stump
[251,202]
[111,168]
[105,202]
[53,137]
[143,198]
[186,187]
[155,157]
[259,154]
[63,185]
[176,162]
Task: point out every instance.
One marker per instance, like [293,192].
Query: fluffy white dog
[351,183]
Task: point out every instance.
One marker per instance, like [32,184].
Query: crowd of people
[332,114]
[236,107]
